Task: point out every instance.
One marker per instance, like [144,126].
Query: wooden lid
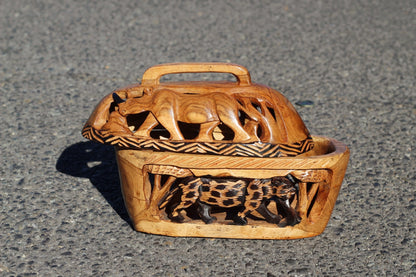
[200,117]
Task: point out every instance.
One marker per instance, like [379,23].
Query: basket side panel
[133,187]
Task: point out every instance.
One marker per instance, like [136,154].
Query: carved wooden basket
[218,159]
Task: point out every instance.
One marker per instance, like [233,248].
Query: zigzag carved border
[256,149]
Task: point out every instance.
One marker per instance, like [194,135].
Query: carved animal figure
[167,107]
[251,194]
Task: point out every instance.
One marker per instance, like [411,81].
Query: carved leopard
[250,194]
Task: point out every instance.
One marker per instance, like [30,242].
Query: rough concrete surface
[61,208]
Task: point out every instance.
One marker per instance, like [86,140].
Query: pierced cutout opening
[309,187]
[271,111]
[151,181]
[240,102]
[189,130]
[257,107]
[134,121]
[312,203]
[164,179]
[259,131]
[217,134]
[159,132]
[243,117]
[205,76]
[226,131]
[159,181]
[112,107]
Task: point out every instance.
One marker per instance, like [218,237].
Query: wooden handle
[151,76]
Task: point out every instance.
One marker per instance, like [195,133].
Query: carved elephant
[250,194]
[167,107]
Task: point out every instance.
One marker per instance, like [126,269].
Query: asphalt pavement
[62,212]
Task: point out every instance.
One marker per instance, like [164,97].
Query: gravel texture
[61,208]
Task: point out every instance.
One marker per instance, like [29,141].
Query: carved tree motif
[158,179]
[313,191]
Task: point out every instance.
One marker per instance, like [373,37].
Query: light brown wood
[151,77]
[218,159]
[333,163]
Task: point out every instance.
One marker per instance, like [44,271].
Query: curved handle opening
[204,77]
[151,76]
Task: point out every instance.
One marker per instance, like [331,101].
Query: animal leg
[267,214]
[171,125]
[189,196]
[204,212]
[175,215]
[205,133]
[174,212]
[232,121]
[240,220]
[290,215]
[239,133]
[253,200]
[147,126]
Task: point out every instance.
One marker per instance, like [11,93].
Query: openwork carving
[214,123]
[251,195]
[217,159]
[255,149]
[180,196]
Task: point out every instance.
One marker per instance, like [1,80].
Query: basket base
[146,176]
[215,230]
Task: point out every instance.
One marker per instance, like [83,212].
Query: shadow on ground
[96,162]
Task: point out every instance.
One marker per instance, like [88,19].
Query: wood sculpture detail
[220,118]
[214,123]
[251,195]
[168,108]
[256,149]
[260,170]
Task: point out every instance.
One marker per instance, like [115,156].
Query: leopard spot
[190,194]
[254,187]
[215,193]
[256,195]
[253,204]
[205,188]
[220,187]
[231,193]
[212,200]
[228,202]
